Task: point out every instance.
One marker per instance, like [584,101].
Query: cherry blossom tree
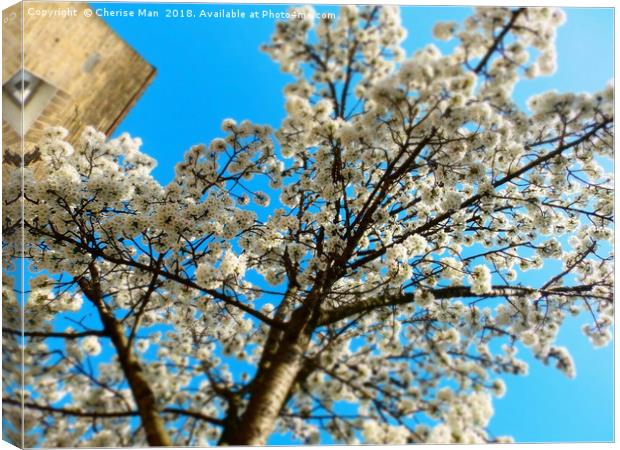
[385,291]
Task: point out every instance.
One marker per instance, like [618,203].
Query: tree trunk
[273,383]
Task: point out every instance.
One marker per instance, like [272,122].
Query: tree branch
[474,198]
[362,306]
[500,37]
[154,426]
[98,253]
[55,334]
[107,414]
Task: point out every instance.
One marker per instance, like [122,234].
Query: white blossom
[370,250]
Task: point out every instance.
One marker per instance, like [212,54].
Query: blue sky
[209,69]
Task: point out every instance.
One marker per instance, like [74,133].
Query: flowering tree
[412,196]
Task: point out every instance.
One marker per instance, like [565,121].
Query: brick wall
[98,76]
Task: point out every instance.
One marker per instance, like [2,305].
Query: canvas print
[269,224]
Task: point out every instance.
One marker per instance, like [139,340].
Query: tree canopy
[374,291]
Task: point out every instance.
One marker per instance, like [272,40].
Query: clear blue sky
[208,70]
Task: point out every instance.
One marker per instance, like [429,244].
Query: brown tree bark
[156,434]
[269,395]
[152,423]
[273,383]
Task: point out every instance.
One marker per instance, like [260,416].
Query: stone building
[76,72]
